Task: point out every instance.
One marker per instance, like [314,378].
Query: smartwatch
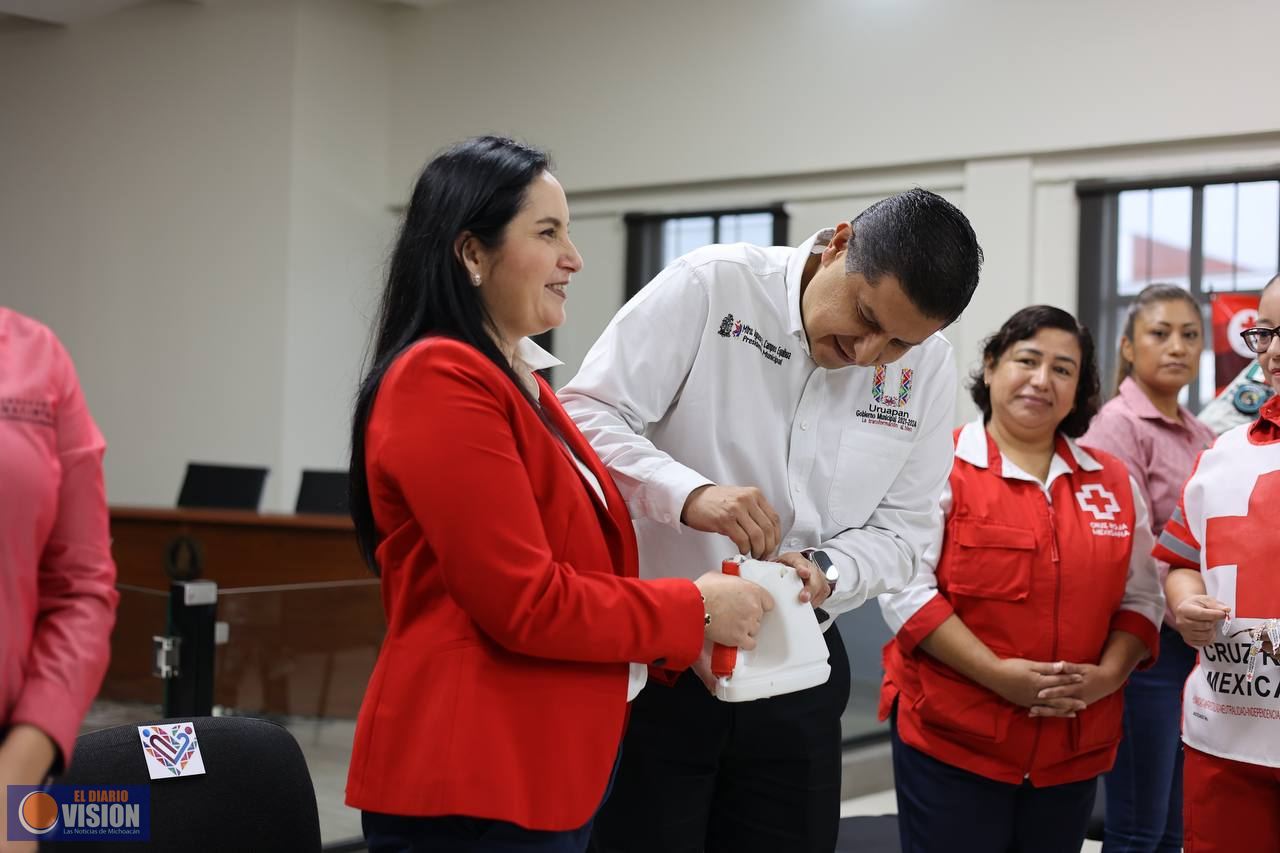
[820,559]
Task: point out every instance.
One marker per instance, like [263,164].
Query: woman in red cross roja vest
[1224,589]
[1027,614]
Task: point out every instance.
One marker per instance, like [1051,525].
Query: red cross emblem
[1097,501]
[1248,542]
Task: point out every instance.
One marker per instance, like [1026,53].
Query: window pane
[680,236]
[1154,238]
[1131,254]
[754,228]
[1257,234]
[1241,231]
[1219,237]
[730,228]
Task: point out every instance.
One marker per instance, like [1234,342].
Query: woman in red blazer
[518,629]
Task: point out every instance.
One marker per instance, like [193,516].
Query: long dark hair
[475,187]
[1023,325]
[1152,294]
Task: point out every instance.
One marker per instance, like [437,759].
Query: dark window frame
[644,237]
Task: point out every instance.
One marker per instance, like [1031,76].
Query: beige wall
[340,227]
[144,215]
[632,94]
[197,197]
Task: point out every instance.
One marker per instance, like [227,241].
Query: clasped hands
[1058,689]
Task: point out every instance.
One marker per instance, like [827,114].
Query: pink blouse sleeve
[76,598]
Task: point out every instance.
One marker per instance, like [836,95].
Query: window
[655,240]
[1212,236]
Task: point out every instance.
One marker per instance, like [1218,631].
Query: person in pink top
[1159,441]
[57,578]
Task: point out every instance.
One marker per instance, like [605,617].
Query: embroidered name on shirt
[39,412]
[731,328]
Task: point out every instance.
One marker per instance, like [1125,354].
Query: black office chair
[221,487]
[255,794]
[322,492]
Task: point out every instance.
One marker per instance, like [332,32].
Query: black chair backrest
[221,487]
[322,492]
[255,794]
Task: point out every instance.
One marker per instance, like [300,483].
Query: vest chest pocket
[985,559]
[866,466]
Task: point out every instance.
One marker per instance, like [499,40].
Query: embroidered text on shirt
[731,328]
[38,412]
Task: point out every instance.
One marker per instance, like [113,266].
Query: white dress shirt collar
[815,245]
[530,357]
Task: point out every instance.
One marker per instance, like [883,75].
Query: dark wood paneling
[305,614]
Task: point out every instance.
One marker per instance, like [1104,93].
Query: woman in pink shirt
[57,579]
[1159,441]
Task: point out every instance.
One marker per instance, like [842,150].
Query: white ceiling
[65,13]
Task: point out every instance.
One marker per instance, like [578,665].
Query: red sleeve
[76,595]
[1141,627]
[923,623]
[442,432]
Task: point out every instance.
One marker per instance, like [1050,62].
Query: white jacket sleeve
[628,381]
[885,554]
[897,608]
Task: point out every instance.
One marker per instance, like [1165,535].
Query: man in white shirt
[773,399]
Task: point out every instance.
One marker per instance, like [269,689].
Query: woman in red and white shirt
[1027,614]
[57,578]
[1221,547]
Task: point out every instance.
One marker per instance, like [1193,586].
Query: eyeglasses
[1259,339]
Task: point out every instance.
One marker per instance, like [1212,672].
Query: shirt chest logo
[888,407]
[904,387]
[1098,501]
[736,329]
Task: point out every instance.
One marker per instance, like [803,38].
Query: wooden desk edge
[231,517]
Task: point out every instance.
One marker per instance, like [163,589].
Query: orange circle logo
[38,813]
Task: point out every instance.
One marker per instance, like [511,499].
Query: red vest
[1035,579]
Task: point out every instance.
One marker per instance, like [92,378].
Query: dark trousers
[943,809]
[1144,789]
[700,774]
[387,833]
